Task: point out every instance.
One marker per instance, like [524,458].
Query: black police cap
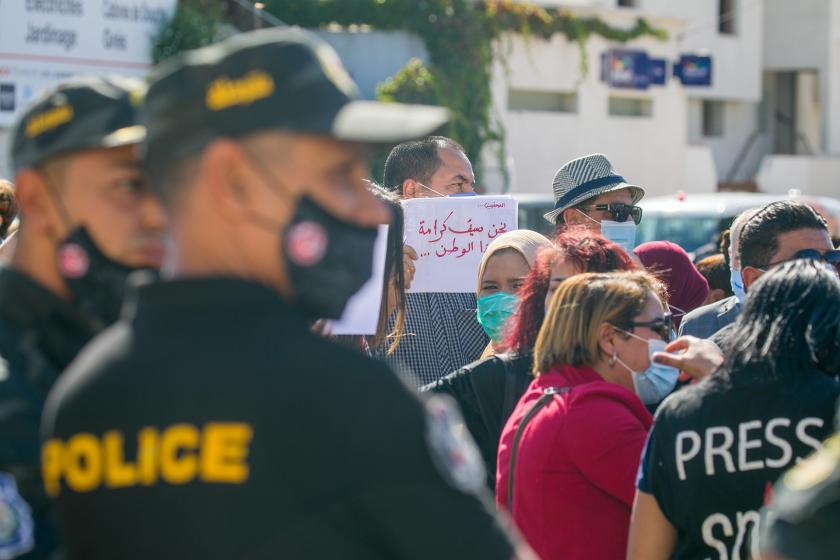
[83,114]
[279,78]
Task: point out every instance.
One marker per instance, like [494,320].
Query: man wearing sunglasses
[777,233]
[588,191]
[784,231]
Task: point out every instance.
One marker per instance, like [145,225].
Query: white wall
[739,122]
[811,175]
[831,78]
[736,59]
[647,151]
[700,172]
[805,35]
[795,34]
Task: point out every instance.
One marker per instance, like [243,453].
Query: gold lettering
[224,452]
[225,92]
[118,473]
[82,463]
[216,453]
[178,462]
[48,120]
[51,466]
[148,456]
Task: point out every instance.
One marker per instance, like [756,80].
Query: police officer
[86,221]
[223,427]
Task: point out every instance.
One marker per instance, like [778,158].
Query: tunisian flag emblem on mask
[306,243]
[73,261]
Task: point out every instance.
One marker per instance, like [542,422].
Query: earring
[611,361]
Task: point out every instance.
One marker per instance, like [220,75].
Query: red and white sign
[450,234]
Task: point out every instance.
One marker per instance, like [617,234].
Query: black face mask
[328,260]
[96,283]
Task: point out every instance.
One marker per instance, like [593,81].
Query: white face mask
[622,234]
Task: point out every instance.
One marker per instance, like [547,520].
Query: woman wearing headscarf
[501,273]
[687,288]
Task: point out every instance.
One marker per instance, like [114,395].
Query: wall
[803,23]
[831,79]
[739,122]
[813,26]
[372,57]
[736,59]
[647,151]
[811,175]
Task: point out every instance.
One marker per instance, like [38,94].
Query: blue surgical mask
[494,311]
[658,380]
[737,283]
[622,234]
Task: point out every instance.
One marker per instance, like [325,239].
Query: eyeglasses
[619,211]
[662,327]
[830,257]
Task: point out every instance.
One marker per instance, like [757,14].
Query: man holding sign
[442,333]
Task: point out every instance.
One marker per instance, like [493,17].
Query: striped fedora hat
[584,178]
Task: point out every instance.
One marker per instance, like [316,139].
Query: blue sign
[658,71]
[626,69]
[694,70]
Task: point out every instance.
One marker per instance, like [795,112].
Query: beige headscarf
[526,242]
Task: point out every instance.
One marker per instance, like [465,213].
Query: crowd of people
[170,387]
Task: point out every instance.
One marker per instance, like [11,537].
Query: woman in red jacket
[570,451]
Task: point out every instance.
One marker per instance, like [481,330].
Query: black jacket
[237,433]
[40,334]
[487,392]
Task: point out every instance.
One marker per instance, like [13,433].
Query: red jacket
[576,465]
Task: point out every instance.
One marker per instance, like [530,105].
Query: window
[630,107]
[713,118]
[535,100]
[626,3]
[726,17]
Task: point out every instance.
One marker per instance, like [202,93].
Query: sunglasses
[829,257]
[619,211]
[662,327]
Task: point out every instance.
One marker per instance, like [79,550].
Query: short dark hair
[790,324]
[715,270]
[417,160]
[760,237]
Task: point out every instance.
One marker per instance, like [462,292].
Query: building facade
[768,118]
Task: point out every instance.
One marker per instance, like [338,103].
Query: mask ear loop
[431,189]
[63,214]
[267,179]
[588,216]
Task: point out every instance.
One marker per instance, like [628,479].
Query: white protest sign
[362,312]
[44,42]
[450,234]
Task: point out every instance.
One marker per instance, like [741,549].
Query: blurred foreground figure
[223,427]
[86,222]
